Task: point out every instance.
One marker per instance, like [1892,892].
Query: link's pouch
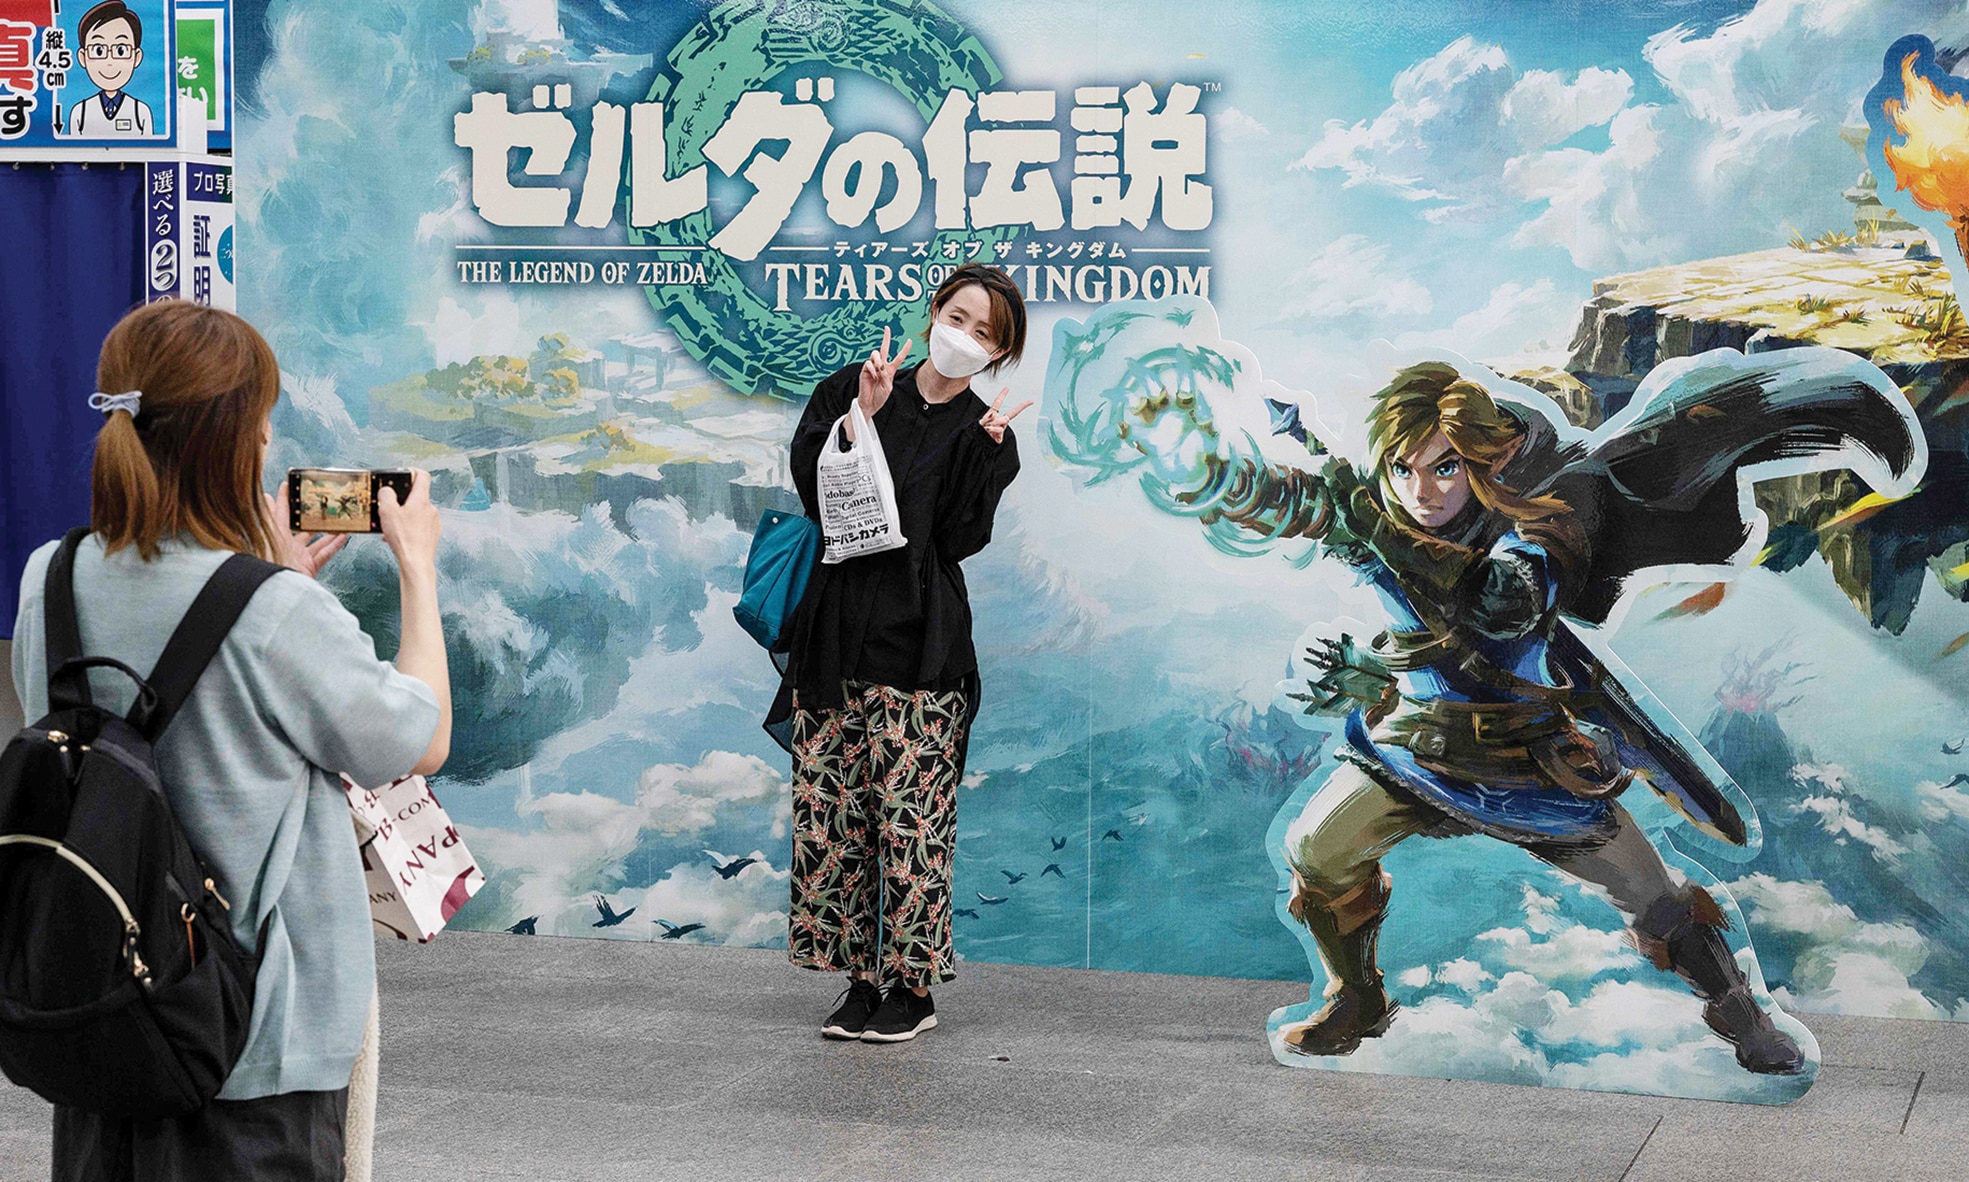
[1583,760]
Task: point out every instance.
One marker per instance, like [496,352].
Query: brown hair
[107,11]
[1008,309]
[1432,395]
[188,462]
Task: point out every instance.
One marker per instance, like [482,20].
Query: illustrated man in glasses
[112,48]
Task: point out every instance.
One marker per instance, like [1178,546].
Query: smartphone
[340,500]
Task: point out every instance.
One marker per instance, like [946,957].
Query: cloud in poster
[673,800]
[1456,118]
[1942,802]
[311,424]
[1515,316]
[578,840]
[748,909]
[1350,275]
[546,613]
[1576,953]
[457,333]
[333,283]
[1745,146]
[535,20]
[358,194]
[1847,965]
[1233,124]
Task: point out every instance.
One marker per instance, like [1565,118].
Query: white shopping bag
[857,498]
[416,866]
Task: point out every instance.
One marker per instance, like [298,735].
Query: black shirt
[901,618]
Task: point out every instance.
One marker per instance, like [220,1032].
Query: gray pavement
[513,1058]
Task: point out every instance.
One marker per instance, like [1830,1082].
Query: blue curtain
[71,237]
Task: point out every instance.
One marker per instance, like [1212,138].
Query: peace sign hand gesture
[995,420]
[878,375]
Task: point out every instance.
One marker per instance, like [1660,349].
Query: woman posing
[882,679]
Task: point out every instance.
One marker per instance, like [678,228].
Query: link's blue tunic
[1528,816]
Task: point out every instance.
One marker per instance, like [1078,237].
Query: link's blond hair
[1432,396]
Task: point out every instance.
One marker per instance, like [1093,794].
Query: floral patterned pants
[874,827]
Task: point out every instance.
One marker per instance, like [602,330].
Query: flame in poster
[1931,159]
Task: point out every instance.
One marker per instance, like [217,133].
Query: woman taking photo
[882,673]
[295,696]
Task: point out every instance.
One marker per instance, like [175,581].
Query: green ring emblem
[743,45]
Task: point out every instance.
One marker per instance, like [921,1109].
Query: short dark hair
[107,11]
[1008,307]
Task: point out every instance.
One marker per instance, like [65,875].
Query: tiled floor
[591,1061]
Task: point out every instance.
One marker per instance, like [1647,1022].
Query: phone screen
[331,500]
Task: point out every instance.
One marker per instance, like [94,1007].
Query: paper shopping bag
[858,512]
[415,864]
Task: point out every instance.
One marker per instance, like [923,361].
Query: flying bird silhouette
[1112,833]
[990,900]
[1014,879]
[610,917]
[525,926]
[1960,778]
[671,931]
[1059,843]
[968,912]
[730,868]
[1954,748]
[1052,868]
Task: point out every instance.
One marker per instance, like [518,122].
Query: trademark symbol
[1212,87]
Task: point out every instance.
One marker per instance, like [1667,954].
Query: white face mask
[955,354]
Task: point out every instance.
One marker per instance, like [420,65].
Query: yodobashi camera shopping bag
[857,499]
[415,864]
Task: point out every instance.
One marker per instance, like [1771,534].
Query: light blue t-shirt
[295,695]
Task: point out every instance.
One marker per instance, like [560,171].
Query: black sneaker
[862,999]
[902,1017]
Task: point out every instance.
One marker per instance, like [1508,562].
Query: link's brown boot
[1684,934]
[1346,928]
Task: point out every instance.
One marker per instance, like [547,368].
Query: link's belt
[1484,742]
[1405,652]
[1508,745]
[1436,726]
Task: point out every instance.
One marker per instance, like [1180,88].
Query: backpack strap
[198,637]
[68,684]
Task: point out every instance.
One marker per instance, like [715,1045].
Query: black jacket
[901,618]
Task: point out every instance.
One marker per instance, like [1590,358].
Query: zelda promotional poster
[1491,541]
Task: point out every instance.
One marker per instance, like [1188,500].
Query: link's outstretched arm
[1272,502]
[1329,506]
[1186,466]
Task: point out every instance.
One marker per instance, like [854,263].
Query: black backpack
[122,990]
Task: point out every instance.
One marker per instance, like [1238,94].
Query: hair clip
[111,403]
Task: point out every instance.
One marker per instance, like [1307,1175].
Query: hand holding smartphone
[411,524]
[341,500]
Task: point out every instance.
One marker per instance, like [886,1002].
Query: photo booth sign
[188,231]
[76,78]
[204,65]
